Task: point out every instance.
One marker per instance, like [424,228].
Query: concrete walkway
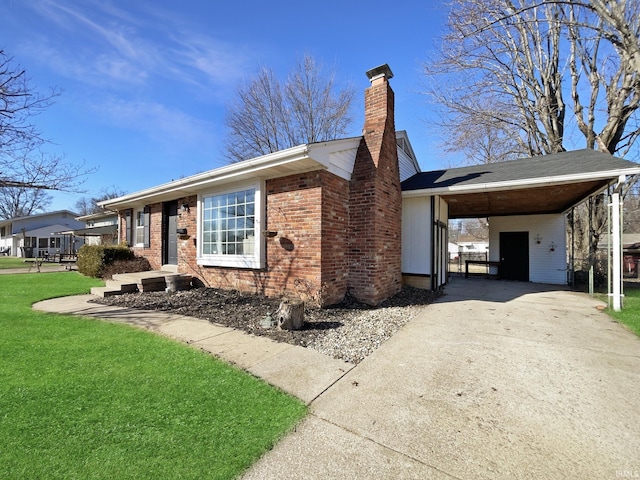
[496,380]
[302,372]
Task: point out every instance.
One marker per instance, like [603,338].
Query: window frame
[249,261]
[138,227]
[134,227]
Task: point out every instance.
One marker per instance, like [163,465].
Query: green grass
[630,314]
[13,262]
[86,399]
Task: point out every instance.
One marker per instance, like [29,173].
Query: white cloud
[171,127]
[106,45]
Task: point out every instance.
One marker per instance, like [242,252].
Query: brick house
[357,216]
[316,221]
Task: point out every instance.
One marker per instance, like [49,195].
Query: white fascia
[524,183]
[241,170]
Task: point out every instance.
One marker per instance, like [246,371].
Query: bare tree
[22,202]
[19,103]
[31,167]
[23,162]
[89,205]
[515,64]
[268,116]
[527,71]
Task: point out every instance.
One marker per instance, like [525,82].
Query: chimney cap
[378,72]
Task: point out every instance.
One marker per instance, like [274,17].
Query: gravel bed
[349,331]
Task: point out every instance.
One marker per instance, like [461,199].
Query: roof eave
[256,167]
[611,175]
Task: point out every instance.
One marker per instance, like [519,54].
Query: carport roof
[542,184]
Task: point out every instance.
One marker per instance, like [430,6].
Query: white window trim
[136,227]
[255,261]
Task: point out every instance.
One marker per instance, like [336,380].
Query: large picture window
[229,228]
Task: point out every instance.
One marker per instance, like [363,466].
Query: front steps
[153,281]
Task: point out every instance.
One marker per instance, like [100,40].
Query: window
[229,228]
[3,231]
[139,228]
[142,230]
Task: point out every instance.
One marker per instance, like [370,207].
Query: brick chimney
[375,201]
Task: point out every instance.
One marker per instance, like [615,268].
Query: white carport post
[616,270]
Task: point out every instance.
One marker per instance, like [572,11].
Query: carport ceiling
[537,185]
[526,201]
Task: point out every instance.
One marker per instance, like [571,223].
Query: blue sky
[145,84]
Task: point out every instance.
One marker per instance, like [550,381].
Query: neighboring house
[631,260]
[630,251]
[40,235]
[453,250]
[100,228]
[468,246]
[471,244]
[323,220]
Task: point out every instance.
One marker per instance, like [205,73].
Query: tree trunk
[290,315]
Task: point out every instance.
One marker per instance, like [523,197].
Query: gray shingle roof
[563,164]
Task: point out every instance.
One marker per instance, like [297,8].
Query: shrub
[93,259]
[137,264]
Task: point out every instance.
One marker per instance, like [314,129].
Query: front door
[514,256]
[170,240]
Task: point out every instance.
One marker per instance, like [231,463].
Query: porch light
[552,246]
[185,208]
[538,238]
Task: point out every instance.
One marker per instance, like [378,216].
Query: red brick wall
[310,214]
[154,252]
[333,236]
[376,203]
[294,205]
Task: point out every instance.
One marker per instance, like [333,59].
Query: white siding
[545,265]
[442,210]
[406,165]
[416,235]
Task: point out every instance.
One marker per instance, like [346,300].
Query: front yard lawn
[630,314]
[13,262]
[82,398]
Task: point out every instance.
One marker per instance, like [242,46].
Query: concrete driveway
[497,380]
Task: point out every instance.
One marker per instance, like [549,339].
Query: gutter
[521,184]
[255,165]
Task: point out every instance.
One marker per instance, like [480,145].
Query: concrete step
[152,281]
[123,287]
[105,291]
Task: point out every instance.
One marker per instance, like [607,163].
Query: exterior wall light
[269,234]
[538,238]
[185,208]
[552,246]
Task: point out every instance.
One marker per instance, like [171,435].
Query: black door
[170,235]
[514,256]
